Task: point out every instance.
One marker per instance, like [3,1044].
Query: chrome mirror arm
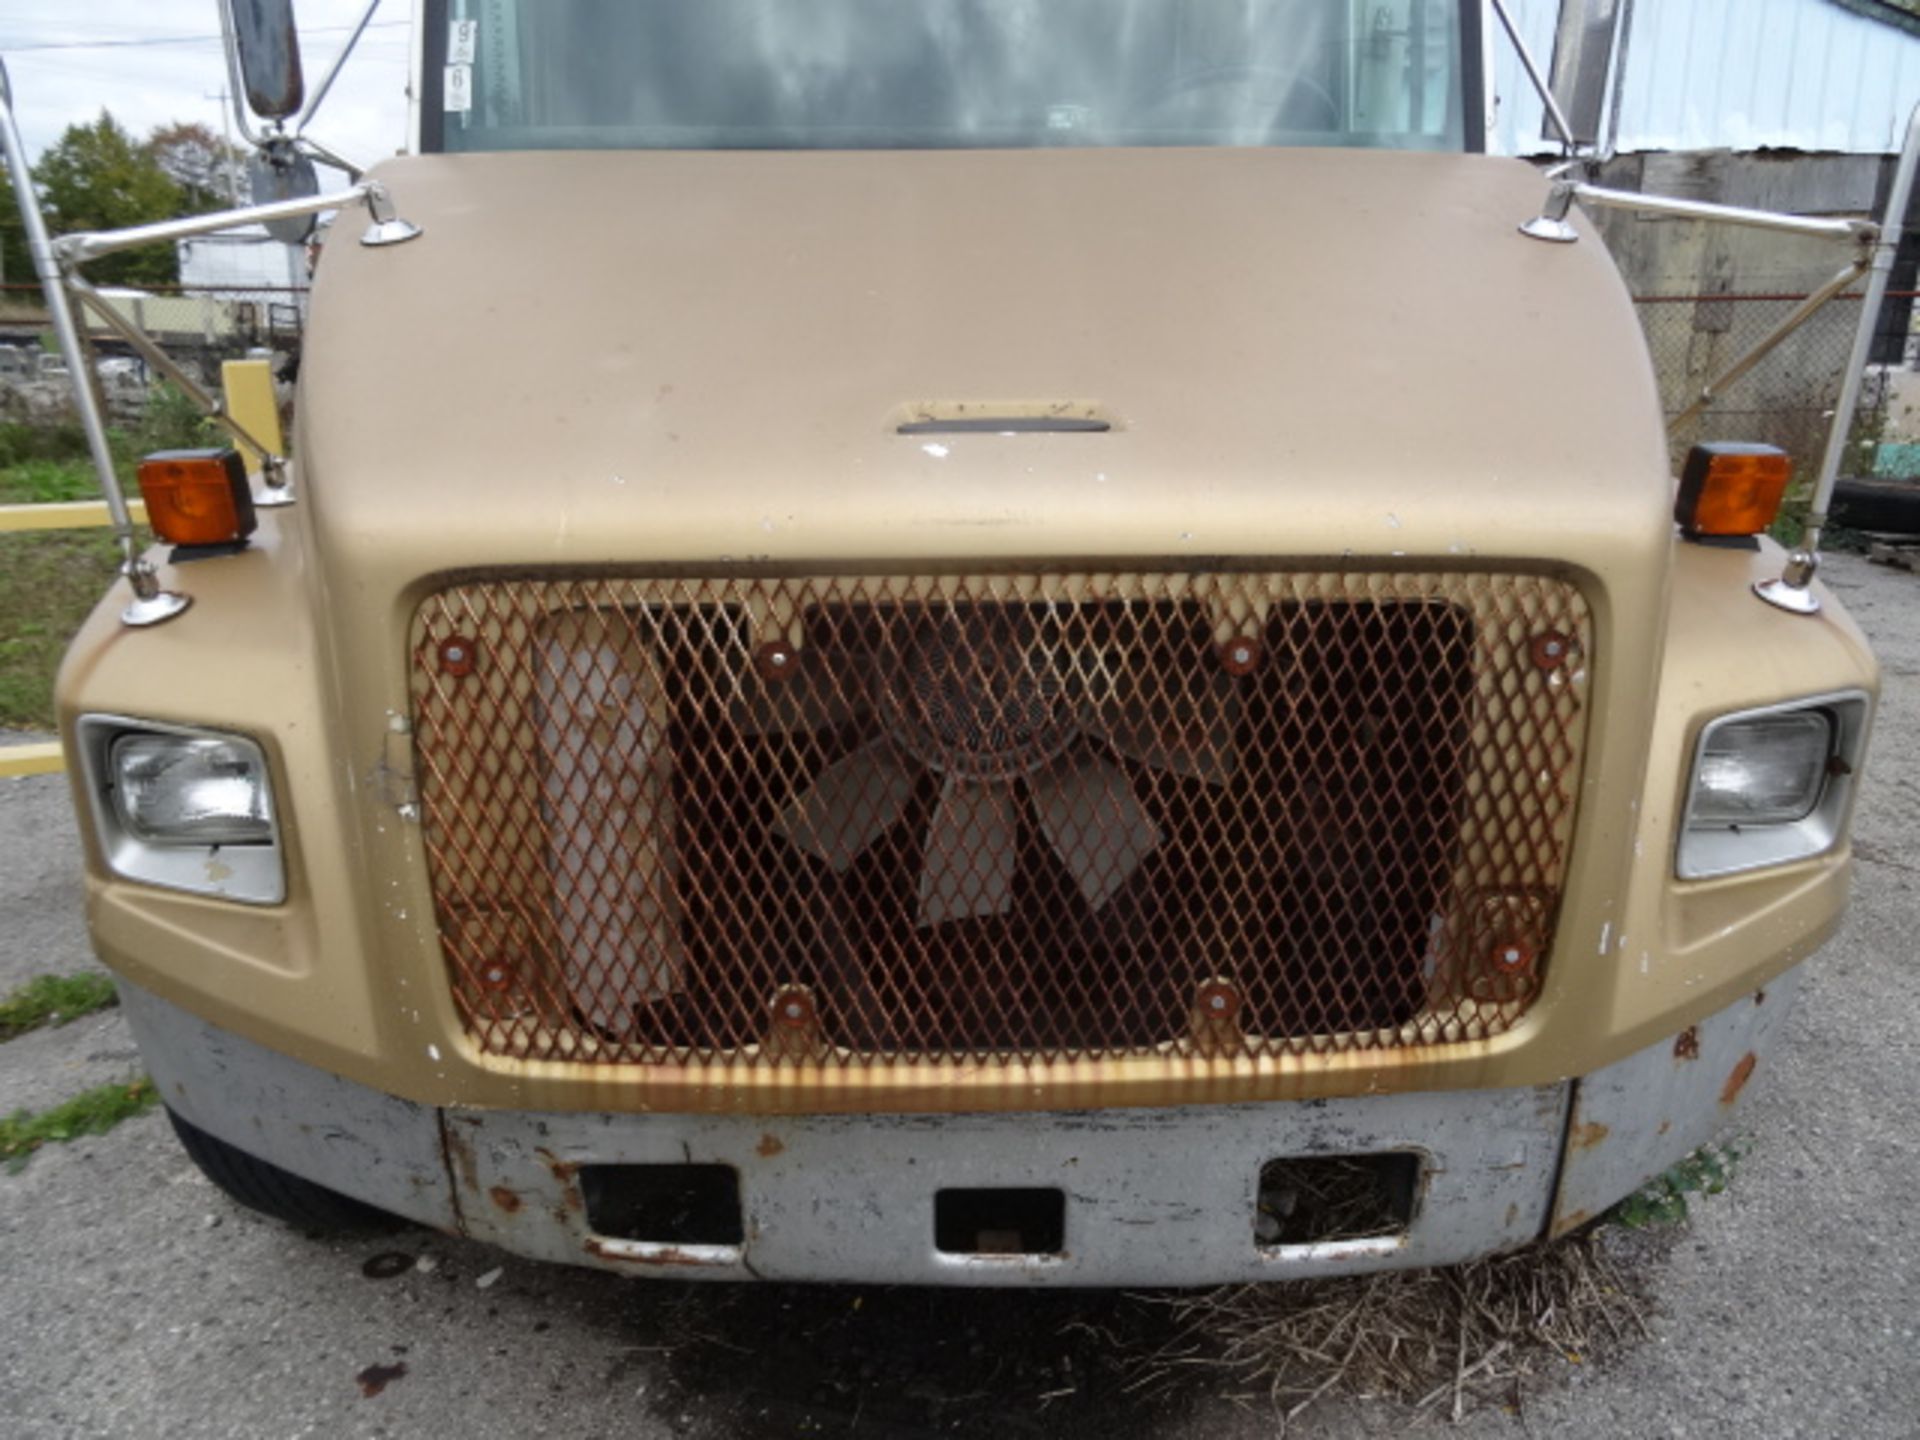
[273,468]
[386,229]
[326,81]
[1794,589]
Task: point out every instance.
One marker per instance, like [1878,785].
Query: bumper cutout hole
[1313,1200]
[1000,1222]
[664,1204]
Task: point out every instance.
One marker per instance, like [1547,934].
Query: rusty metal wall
[996,817]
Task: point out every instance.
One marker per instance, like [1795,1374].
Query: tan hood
[636,357]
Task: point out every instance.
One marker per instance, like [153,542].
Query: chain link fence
[198,326]
[1789,398]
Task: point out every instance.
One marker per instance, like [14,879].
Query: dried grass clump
[1441,1341]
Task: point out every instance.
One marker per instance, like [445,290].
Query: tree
[97,177]
[198,161]
[16,265]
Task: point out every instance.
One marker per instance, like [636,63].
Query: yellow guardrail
[37,759]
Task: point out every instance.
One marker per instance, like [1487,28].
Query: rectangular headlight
[1771,786]
[1765,770]
[183,808]
[188,790]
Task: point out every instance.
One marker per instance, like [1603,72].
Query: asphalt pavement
[136,1301]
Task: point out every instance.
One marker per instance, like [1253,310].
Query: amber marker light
[1729,489]
[197,497]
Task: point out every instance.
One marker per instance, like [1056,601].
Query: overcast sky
[153,61]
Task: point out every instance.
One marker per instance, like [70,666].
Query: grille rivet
[776,661]
[794,1010]
[496,975]
[1240,655]
[1219,1000]
[1512,956]
[1550,650]
[456,655]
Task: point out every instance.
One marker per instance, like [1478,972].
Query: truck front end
[968,644]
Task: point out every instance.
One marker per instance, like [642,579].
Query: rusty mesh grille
[1002,818]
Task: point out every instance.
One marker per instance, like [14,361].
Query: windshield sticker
[458,89]
[461,35]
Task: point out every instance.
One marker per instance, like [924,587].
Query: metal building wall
[1735,74]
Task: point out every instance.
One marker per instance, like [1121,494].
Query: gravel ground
[138,1302]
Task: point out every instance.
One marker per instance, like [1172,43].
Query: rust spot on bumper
[507,1200]
[1585,1137]
[1686,1045]
[770,1145]
[1737,1081]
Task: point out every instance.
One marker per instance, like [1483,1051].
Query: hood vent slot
[1008,425]
[1003,417]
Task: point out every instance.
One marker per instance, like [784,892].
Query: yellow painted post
[37,759]
[250,401]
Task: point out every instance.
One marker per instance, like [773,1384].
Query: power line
[145,40]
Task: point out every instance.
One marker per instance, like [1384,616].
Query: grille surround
[516,789]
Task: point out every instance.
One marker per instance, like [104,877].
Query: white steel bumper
[1152,1197]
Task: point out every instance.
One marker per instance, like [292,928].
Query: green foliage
[92,1112]
[20,443]
[172,421]
[98,177]
[1663,1201]
[54,1000]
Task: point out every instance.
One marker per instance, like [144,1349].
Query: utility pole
[227,167]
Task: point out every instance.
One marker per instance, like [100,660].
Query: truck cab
[971,643]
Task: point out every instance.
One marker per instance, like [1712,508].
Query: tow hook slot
[1011,1222]
[1318,1199]
[664,1204]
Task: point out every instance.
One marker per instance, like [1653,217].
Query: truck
[1071,654]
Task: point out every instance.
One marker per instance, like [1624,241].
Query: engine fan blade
[1192,734]
[852,803]
[1095,823]
[822,693]
[971,850]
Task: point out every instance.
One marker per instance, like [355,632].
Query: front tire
[273,1192]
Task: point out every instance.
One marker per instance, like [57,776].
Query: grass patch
[53,1000]
[1664,1200]
[49,582]
[91,1112]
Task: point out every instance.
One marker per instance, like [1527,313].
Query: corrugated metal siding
[1735,74]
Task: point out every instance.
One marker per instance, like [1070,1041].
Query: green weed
[92,1112]
[53,1000]
[1664,1201]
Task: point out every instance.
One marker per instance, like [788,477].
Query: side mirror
[1583,56]
[279,172]
[268,49]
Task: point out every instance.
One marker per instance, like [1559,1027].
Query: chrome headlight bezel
[1705,849]
[252,873]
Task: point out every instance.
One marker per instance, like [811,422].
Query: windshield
[905,74]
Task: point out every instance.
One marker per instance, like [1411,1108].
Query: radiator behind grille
[1006,818]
